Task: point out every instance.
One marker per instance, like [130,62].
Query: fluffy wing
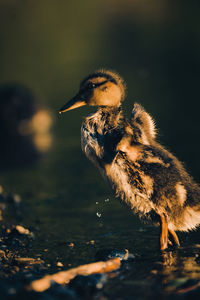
[142,124]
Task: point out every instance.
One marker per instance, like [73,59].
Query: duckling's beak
[75,102]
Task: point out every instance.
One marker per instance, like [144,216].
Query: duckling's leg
[175,237]
[163,232]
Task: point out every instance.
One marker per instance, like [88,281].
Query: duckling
[144,175]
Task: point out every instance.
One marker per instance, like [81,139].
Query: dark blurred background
[48,47]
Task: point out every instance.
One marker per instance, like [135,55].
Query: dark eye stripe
[99,74]
[101,83]
[92,85]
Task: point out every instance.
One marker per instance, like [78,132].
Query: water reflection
[181,271]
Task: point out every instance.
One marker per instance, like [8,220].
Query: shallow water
[73,215]
[49,46]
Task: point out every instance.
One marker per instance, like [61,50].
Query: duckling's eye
[91,85]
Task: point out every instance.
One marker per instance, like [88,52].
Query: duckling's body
[148,178]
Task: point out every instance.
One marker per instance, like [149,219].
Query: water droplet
[97,202]
[98,214]
[59,264]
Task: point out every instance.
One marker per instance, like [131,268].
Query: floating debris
[154,272]
[92,242]
[97,202]
[59,264]
[98,214]
[71,245]
[22,230]
[106,254]
[107,200]
[28,261]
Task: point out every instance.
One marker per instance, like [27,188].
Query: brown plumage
[148,178]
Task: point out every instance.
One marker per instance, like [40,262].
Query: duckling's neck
[101,133]
[108,118]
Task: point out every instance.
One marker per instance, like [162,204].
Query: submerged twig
[64,277]
[188,289]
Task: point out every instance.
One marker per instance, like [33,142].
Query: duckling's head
[102,88]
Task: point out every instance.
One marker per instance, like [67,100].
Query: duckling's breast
[91,142]
[99,139]
[131,185]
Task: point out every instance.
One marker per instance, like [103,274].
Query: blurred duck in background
[24,127]
[148,178]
